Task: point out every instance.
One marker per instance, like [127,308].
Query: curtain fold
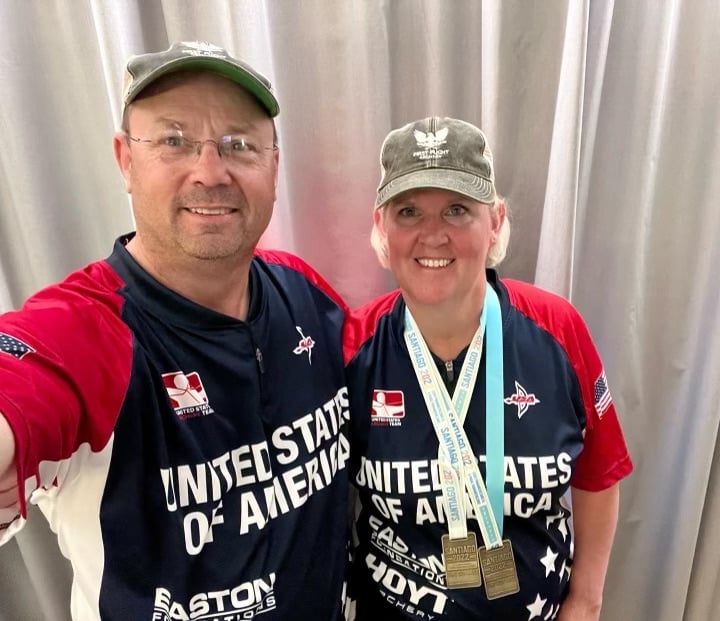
[554,269]
[604,121]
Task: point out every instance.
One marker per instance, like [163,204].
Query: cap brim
[472,186]
[215,65]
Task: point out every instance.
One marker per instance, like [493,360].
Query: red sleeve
[65,359]
[362,321]
[604,459]
[296,263]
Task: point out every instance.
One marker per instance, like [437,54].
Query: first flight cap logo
[430,144]
[305,344]
[187,394]
[522,399]
[429,140]
[388,407]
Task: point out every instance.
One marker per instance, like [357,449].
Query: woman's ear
[378,220]
[498,217]
[378,237]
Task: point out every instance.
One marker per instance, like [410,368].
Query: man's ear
[276,161]
[123,157]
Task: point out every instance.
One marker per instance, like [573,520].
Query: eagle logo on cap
[430,140]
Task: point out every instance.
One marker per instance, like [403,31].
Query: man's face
[198,206]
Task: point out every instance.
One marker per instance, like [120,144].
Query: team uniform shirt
[192,465]
[560,429]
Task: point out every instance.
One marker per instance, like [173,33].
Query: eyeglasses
[174,147]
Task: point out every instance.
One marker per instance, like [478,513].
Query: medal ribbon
[458,467]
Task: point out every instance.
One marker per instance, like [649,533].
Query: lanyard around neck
[458,466]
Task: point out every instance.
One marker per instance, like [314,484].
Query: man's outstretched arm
[8,474]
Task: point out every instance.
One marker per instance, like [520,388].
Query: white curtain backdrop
[604,118]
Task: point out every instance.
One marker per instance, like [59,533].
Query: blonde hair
[496,253]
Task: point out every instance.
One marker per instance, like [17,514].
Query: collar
[169,306]
[397,315]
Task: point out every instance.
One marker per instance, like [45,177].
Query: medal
[499,571]
[462,567]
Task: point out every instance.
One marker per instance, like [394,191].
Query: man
[177,410]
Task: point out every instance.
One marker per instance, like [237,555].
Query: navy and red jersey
[192,465]
[561,430]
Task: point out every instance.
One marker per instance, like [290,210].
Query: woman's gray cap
[437,152]
[143,70]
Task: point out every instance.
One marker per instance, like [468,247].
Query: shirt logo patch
[388,408]
[305,344]
[522,399]
[14,347]
[187,395]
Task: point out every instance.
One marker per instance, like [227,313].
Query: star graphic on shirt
[561,573]
[536,607]
[552,613]
[562,527]
[549,561]
[550,519]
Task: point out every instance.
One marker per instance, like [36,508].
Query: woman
[477,403]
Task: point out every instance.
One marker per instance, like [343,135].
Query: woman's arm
[595,517]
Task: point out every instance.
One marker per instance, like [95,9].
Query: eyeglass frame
[197,145]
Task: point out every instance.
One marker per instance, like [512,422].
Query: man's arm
[8,474]
[595,517]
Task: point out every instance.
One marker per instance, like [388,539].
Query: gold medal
[462,568]
[499,571]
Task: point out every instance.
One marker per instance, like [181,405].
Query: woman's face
[437,244]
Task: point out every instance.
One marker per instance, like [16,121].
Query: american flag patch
[14,347]
[603,400]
